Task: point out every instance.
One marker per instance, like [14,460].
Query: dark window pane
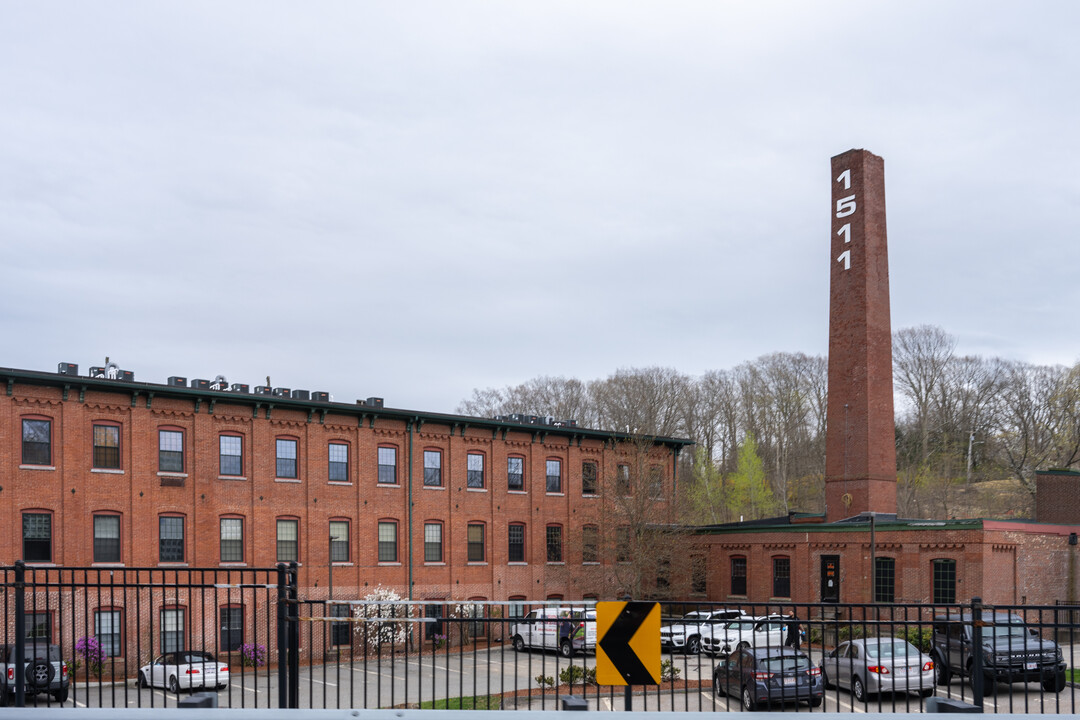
[515,473]
[288,535]
[172,631]
[388,465]
[339,462]
[38,626]
[232,628]
[516,534]
[432,542]
[232,540]
[554,543]
[171,539]
[286,458]
[37,537]
[231,455]
[590,544]
[588,478]
[475,475]
[387,542]
[339,541]
[475,543]
[37,442]
[107,447]
[884,580]
[944,581]
[782,577]
[106,538]
[432,468]
[107,626]
[738,576]
[340,633]
[170,451]
[554,476]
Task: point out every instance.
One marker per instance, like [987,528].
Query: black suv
[45,672]
[1011,651]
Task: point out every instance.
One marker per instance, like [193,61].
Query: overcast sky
[412,200]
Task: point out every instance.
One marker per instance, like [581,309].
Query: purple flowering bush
[253,654]
[90,650]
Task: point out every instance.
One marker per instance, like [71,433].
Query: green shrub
[920,637]
[544,680]
[851,632]
[577,675]
[668,672]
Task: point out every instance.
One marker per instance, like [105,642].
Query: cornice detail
[33,401]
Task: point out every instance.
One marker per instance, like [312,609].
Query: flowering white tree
[382,602]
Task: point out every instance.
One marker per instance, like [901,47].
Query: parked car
[685,633]
[569,630]
[769,676]
[1011,651]
[185,670]
[44,672]
[761,631]
[877,665]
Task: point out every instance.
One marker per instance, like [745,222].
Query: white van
[568,629]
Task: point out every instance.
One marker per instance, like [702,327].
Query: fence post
[282,637]
[294,638]
[20,634]
[976,653]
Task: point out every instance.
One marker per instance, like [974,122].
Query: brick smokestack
[860,444]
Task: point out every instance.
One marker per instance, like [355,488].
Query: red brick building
[100,472]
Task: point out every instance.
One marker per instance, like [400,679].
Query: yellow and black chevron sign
[627,643]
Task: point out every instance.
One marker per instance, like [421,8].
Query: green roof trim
[158,391]
[838,527]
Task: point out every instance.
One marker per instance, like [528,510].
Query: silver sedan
[876,665]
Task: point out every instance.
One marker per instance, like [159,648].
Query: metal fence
[288,651]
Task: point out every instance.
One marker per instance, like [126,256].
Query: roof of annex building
[815,522]
[365,411]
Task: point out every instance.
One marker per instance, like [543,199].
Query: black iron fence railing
[146,637]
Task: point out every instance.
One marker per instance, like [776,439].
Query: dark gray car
[1011,651]
[45,672]
[769,676]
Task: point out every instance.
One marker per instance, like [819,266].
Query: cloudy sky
[415,199]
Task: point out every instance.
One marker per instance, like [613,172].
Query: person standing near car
[794,636]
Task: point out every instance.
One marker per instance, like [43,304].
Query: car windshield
[195,657]
[788,663]
[887,649]
[1008,631]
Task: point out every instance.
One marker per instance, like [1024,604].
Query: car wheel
[174,686]
[926,692]
[60,696]
[716,689]
[566,649]
[942,674]
[519,643]
[693,645]
[825,679]
[858,689]
[220,687]
[141,681]
[815,702]
[748,703]
[5,698]
[1055,684]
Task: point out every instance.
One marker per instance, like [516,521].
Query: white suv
[761,631]
[568,630]
[686,633]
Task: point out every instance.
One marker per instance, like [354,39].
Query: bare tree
[920,358]
[643,401]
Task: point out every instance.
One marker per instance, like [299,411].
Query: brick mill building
[106,472]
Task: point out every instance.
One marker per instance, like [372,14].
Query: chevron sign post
[627,643]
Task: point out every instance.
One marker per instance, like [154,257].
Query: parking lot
[499,670]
